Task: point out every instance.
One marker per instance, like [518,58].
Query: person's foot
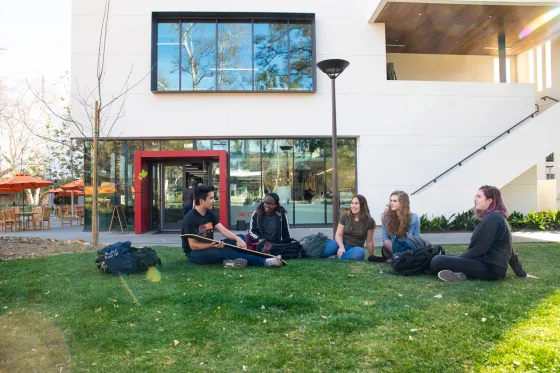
[450,276]
[376,259]
[274,262]
[235,263]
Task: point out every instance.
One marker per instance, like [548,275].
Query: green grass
[313,315]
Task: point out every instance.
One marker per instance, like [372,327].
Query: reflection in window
[277,168]
[224,55]
[177,145]
[271,56]
[167,57]
[245,178]
[234,57]
[309,181]
[301,57]
[198,56]
[346,174]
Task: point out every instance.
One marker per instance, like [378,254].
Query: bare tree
[93,114]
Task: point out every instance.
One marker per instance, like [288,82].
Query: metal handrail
[460,163]
[551,98]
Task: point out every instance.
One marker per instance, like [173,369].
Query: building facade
[228,94]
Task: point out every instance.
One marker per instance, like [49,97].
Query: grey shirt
[269,227]
[355,236]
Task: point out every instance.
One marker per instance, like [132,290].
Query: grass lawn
[313,315]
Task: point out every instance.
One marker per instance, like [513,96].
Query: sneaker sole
[454,277]
[236,263]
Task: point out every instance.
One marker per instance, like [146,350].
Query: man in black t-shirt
[203,221]
[188,198]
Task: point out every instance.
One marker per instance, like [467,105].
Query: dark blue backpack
[116,258]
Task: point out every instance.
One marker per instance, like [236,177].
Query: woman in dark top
[490,250]
[354,228]
[270,221]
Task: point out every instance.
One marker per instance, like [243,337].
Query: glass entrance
[169,179]
[172,197]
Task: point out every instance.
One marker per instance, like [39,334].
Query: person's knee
[388,244]
[435,263]
[243,237]
[356,253]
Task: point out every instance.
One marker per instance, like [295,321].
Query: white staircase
[501,162]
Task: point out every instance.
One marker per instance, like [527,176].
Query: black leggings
[472,268]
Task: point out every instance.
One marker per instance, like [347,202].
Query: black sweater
[256,229]
[491,244]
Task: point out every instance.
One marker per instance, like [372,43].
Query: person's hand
[217,244]
[241,243]
[531,277]
[341,250]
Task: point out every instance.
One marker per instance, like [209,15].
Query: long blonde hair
[398,225]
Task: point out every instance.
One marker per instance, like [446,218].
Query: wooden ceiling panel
[462,28]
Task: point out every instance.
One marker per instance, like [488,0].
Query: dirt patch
[35,247]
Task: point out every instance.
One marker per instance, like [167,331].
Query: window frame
[221,17]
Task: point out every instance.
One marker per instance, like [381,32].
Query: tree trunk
[95,200]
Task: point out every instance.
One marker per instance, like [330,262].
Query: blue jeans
[352,253]
[215,255]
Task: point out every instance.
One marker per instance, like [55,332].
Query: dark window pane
[235,63]
[198,57]
[301,57]
[271,56]
[168,57]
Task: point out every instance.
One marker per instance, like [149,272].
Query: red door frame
[142,183]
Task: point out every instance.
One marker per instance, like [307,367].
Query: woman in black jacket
[490,250]
[270,221]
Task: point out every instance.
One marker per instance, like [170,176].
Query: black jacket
[282,227]
[491,244]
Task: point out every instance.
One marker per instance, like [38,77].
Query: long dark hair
[363,216]
[398,225]
[280,209]
[497,204]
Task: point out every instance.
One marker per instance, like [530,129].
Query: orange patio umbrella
[21,182]
[74,185]
[64,193]
[104,188]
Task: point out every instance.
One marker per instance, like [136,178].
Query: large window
[201,52]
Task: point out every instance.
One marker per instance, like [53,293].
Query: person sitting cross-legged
[202,221]
[270,221]
[490,250]
[354,228]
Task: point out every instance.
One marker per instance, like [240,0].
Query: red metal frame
[142,186]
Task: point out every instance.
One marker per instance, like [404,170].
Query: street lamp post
[333,68]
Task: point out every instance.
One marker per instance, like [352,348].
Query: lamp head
[333,68]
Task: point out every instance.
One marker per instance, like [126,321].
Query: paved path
[151,239]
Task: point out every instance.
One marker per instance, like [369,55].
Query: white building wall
[521,194]
[408,131]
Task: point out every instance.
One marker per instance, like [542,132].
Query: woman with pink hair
[490,251]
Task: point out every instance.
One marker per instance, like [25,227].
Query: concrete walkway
[155,239]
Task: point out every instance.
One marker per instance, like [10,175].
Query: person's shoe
[274,262]
[450,276]
[376,259]
[235,263]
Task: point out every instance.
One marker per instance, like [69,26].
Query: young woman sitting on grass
[397,221]
[490,250]
[354,228]
[270,221]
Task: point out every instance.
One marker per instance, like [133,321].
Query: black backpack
[287,248]
[120,257]
[415,262]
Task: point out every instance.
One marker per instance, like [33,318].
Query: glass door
[172,197]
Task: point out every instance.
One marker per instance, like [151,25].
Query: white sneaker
[274,262]
[450,276]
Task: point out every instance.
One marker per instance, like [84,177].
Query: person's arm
[338,238]
[515,264]
[414,228]
[482,239]
[369,242]
[384,234]
[197,245]
[254,228]
[285,227]
[228,234]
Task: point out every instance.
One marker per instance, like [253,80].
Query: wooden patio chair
[2,223]
[46,218]
[36,219]
[79,214]
[10,219]
[65,216]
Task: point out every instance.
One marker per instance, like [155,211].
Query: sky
[36,36]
